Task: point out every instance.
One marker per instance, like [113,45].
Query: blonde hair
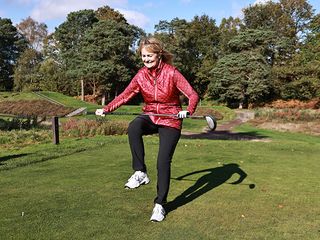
[156,46]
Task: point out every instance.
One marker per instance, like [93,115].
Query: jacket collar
[154,72]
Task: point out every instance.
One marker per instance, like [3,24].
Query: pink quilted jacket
[160,89]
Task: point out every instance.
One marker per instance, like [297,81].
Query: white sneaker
[158,213]
[137,179]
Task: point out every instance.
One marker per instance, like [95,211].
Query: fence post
[55,129]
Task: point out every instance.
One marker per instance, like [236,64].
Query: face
[149,59]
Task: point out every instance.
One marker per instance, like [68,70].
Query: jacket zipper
[156,95]
[155,89]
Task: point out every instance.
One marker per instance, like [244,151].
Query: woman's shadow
[213,178]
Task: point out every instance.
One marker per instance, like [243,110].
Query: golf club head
[211,121]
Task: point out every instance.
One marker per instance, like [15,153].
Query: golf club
[211,121]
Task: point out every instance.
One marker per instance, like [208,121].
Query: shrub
[288,114]
[280,104]
[86,128]
[18,123]
[24,137]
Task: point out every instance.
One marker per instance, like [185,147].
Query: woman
[160,85]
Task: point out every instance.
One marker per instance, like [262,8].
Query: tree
[289,74]
[69,35]
[106,57]
[243,76]
[174,35]
[12,44]
[304,68]
[264,16]
[296,15]
[26,76]
[107,13]
[53,77]
[228,29]
[194,45]
[94,47]
[270,16]
[204,35]
[290,19]
[34,32]
[240,78]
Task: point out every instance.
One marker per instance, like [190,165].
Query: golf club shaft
[149,114]
[211,121]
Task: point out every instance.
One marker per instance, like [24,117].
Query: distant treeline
[273,52]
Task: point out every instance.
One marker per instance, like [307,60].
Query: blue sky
[142,13]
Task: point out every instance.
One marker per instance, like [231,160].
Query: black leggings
[168,139]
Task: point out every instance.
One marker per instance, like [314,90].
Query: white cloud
[52,9]
[262,1]
[135,18]
[59,9]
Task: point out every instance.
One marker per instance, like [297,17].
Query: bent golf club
[211,121]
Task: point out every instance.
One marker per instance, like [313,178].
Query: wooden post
[82,90]
[55,129]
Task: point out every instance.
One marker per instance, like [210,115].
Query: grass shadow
[7,158]
[213,178]
[38,158]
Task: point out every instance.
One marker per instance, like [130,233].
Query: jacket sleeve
[186,89]
[131,90]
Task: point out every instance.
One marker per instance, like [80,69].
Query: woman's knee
[135,126]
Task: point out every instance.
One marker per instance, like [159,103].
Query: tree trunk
[103,100]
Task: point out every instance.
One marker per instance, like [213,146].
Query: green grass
[69,101]
[17,96]
[63,99]
[75,190]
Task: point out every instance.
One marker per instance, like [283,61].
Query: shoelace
[136,177]
[159,209]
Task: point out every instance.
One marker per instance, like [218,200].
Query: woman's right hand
[100,112]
